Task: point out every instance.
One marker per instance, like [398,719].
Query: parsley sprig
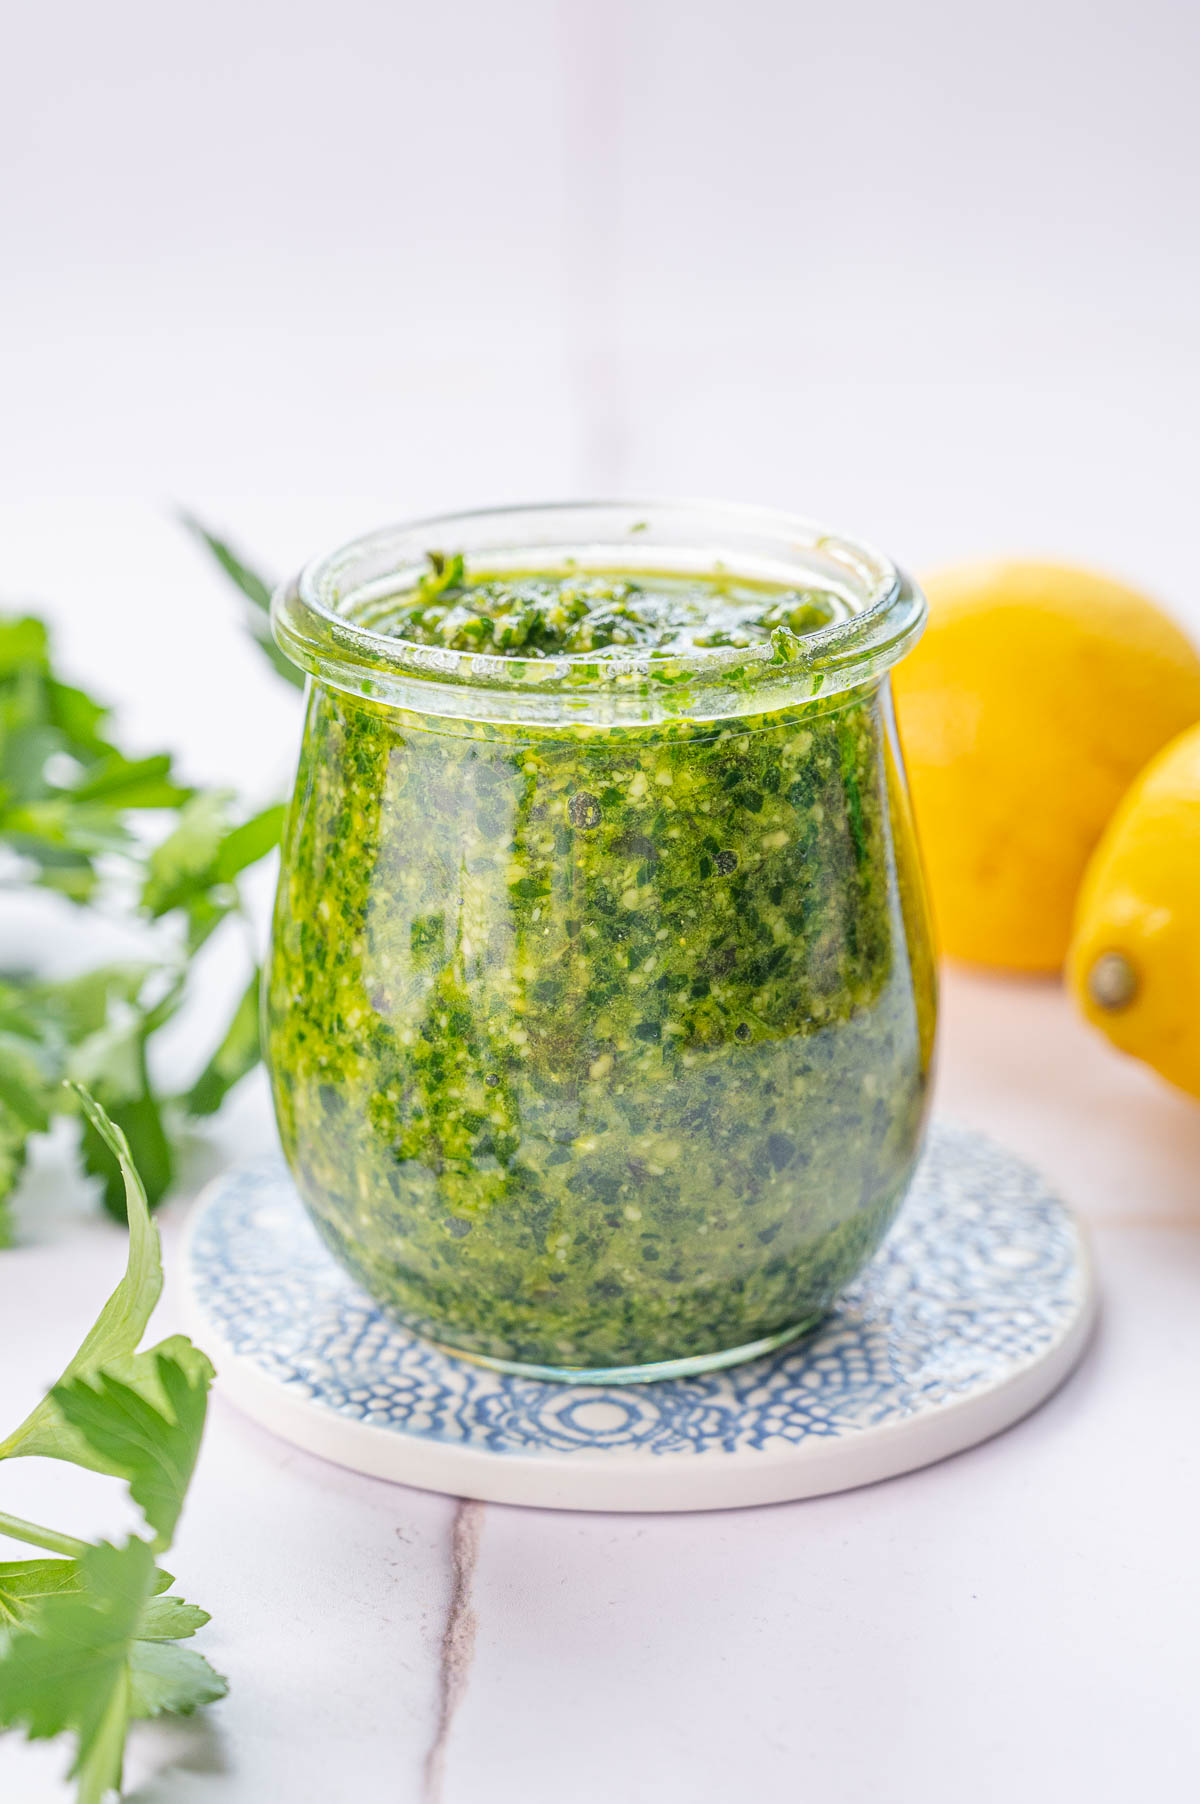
[256,590]
[124,836]
[91,1635]
[90,1640]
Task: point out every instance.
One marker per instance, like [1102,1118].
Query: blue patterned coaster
[976,1307]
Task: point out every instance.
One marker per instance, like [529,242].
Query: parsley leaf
[24,1583]
[121,1323]
[142,1420]
[169,1618]
[140,1119]
[257,592]
[89,1642]
[64,787]
[164,1677]
[235,1056]
[79,1661]
[196,866]
[82,817]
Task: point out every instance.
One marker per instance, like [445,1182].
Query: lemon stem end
[1112,982]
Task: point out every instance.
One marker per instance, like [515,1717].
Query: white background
[928,271]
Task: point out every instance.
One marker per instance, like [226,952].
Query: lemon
[1134,963]
[1037,694]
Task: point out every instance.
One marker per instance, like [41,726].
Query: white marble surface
[928,272]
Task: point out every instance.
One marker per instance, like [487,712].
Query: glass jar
[600,1005]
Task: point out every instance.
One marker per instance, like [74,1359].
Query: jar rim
[315,624]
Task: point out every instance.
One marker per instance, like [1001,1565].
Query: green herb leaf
[69,1012]
[196,866]
[132,783]
[64,788]
[257,591]
[24,645]
[78,1663]
[24,1583]
[141,1420]
[68,1669]
[169,1618]
[245,845]
[69,803]
[140,1120]
[164,1677]
[237,1055]
[121,1323]
[77,716]
[251,584]
[90,1641]
[14,1141]
[21,1094]
[183,867]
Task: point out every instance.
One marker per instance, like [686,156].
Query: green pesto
[622,613]
[600,1046]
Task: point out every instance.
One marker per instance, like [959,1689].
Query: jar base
[691,1367]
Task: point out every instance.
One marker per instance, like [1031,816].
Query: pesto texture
[600,1046]
[578,613]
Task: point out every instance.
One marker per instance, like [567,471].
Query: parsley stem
[49,1538]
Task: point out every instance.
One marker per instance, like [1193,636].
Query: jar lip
[314,627]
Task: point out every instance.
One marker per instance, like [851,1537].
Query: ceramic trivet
[976,1307]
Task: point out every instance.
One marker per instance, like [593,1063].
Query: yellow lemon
[1134,963]
[1037,694]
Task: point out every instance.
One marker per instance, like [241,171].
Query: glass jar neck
[322,620]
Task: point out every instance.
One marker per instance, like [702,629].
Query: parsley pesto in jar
[600,1002]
